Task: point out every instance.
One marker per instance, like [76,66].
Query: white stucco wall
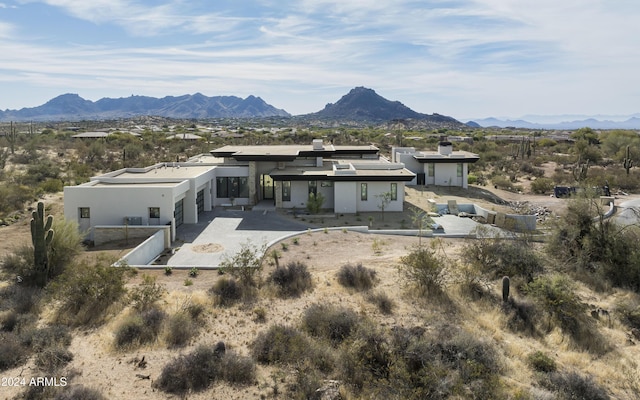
[345,197]
[372,202]
[110,204]
[446,175]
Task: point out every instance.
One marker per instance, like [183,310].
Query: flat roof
[164,171]
[289,152]
[140,184]
[454,157]
[328,173]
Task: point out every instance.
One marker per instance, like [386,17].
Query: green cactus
[627,163]
[41,237]
[505,288]
[580,170]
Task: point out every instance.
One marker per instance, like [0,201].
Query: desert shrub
[245,265]
[329,322]
[573,386]
[357,277]
[541,362]
[500,182]
[180,329]
[65,245]
[227,291]
[473,358]
[146,293]
[8,321]
[629,312]
[314,202]
[367,357]
[382,301]
[499,257]
[143,327]
[192,372]
[21,299]
[423,268]
[12,352]
[86,291]
[280,344]
[521,316]
[556,296]
[14,197]
[197,370]
[51,185]
[292,280]
[79,392]
[237,369]
[542,185]
[53,358]
[49,336]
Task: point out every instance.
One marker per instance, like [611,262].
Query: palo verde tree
[41,237]
[383,201]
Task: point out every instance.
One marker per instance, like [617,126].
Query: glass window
[363,191]
[326,184]
[313,187]
[154,212]
[85,212]
[394,191]
[221,188]
[286,190]
[459,171]
[244,188]
[431,168]
[234,187]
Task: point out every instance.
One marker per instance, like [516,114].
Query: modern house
[444,167]
[350,178]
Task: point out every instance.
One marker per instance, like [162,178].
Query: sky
[462,58]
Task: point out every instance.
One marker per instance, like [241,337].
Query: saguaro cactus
[505,289]
[627,163]
[41,237]
[580,170]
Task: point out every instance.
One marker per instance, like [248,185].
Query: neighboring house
[444,167]
[350,178]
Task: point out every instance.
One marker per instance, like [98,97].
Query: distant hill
[632,122]
[365,105]
[72,107]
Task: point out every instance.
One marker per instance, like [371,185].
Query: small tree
[420,220]
[383,201]
[423,268]
[314,202]
[245,264]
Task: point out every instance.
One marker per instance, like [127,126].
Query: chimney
[317,145]
[445,148]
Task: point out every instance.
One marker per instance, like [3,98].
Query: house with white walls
[443,167]
[351,179]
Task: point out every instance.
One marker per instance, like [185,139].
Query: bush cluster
[574,386]
[140,328]
[357,277]
[292,280]
[197,370]
[499,257]
[335,324]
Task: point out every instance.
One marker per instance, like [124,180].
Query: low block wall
[507,221]
[147,251]
[105,234]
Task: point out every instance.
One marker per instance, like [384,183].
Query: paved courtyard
[221,232]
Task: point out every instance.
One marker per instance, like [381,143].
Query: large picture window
[394,191]
[236,187]
[286,190]
[363,192]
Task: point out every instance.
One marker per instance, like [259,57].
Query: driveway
[628,212]
[223,232]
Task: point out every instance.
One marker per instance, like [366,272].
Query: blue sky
[463,58]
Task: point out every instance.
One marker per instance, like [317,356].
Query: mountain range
[360,105]
[72,107]
[561,122]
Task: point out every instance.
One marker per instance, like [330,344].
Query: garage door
[178,213]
